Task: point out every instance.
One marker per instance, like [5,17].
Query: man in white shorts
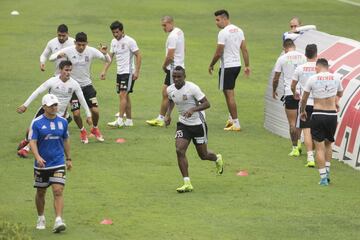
[326,90]
[231,40]
[301,75]
[191,103]
[124,48]
[175,56]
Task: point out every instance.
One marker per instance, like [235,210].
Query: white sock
[27,147]
[160,117]
[310,156]
[42,217]
[186,179]
[120,120]
[327,167]
[322,172]
[82,129]
[230,118]
[236,122]
[58,219]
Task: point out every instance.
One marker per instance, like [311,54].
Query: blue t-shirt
[50,135]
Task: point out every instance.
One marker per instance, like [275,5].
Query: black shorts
[168,78]
[196,133]
[124,82]
[307,123]
[323,125]
[290,102]
[227,77]
[90,98]
[44,178]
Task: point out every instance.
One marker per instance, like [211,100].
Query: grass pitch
[134,183]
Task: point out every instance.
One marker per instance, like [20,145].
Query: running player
[191,102]
[81,57]
[326,90]
[231,40]
[63,87]
[124,48]
[175,56]
[301,75]
[286,65]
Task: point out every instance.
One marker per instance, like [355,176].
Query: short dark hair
[323,62]
[117,25]
[223,13]
[81,37]
[288,43]
[180,68]
[62,28]
[65,63]
[310,50]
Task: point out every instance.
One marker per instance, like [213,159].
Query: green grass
[134,183]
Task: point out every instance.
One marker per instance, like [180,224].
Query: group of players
[72,84]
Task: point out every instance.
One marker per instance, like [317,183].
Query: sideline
[350,2]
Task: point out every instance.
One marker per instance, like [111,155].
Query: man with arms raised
[286,65]
[63,87]
[191,102]
[49,141]
[326,90]
[175,56]
[301,75]
[231,40]
[81,57]
[124,48]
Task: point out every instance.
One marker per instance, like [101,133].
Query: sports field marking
[350,2]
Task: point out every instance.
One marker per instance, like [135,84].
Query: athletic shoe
[299,147]
[116,124]
[328,177]
[294,153]
[228,123]
[59,226]
[41,224]
[22,144]
[310,164]
[129,123]
[219,164]
[187,187]
[97,134]
[232,128]
[117,114]
[83,136]
[156,122]
[324,182]
[23,153]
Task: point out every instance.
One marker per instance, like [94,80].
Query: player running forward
[326,90]
[124,48]
[231,40]
[301,75]
[49,140]
[286,65]
[175,56]
[81,57]
[191,102]
[63,87]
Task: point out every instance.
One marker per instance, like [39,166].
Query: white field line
[350,2]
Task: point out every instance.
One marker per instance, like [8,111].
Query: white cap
[49,99]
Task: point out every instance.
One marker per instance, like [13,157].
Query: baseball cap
[49,99]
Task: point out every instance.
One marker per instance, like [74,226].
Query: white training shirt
[176,40]
[324,85]
[52,47]
[185,98]
[63,91]
[301,75]
[286,64]
[81,62]
[231,37]
[124,50]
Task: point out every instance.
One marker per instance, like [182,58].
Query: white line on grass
[350,2]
